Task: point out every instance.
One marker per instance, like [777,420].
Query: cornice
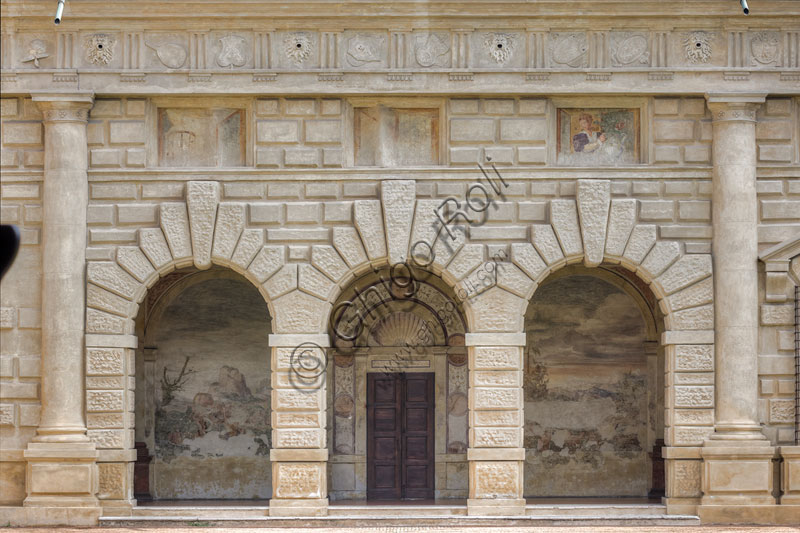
[343,82]
[336,9]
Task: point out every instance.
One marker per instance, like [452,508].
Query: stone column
[299,452]
[61,459]
[496,418]
[737,457]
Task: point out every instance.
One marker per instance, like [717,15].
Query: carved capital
[734,107]
[65,108]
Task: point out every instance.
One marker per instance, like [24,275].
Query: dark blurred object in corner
[9,245]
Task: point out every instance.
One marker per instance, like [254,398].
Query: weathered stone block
[277,131]
[104,157]
[126,132]
[523,130]
[674,130]
[304,212]
[323,131]
[301,157]
[666,106]
[533,155]
[22,133]
[472,129]
[299,480]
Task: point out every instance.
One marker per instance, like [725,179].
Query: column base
[299,507]
[737,435]
[61,474]
[498,507]
[738,476]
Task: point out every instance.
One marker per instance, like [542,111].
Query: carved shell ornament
[100,48]
[500,46]
[297,47]
[698,46]
[401,329]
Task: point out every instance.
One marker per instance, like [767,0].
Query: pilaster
[61,460]
[496,454]
[299,453]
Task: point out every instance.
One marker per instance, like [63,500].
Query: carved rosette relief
[698,46]
[629,49]
[100,48]
[66,115]
[569,49]
[297,47]
[765,47]
[500,46]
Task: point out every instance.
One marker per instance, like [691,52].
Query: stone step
[228,517]
[397,510]
[568,509]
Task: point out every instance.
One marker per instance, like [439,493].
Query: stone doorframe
[781,277]
[591,229]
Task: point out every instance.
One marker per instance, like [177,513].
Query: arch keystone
[398,199]
[594,200]
[202,198]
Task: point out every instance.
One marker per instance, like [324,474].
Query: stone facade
[519,145]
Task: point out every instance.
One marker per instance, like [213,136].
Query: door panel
[400,436]
[418,431]
[384,424]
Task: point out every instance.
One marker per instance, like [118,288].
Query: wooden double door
[400,436]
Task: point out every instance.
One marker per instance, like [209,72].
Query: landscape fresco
[585,391]
[212,405]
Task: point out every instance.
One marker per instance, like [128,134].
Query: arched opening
[398,415]
[593,386]
[203,387]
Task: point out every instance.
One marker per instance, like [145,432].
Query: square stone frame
[155,103]
[642,103]
[399,102]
